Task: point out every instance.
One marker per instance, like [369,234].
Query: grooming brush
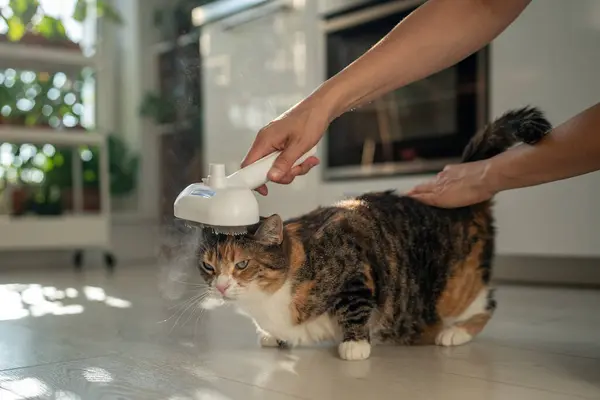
[226,203]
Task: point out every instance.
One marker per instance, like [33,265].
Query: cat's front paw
[270,341]
[355,350]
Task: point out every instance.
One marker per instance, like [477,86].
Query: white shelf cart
[78,230]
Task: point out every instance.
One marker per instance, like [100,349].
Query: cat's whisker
[192,284]
[192,303]
[185,306]
[196,309]
[180,304]
[184,302]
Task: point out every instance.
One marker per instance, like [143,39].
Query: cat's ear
[252,229]
[270,231]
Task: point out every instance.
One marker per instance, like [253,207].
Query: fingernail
[275,174]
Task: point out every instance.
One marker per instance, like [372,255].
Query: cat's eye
[242,265]
[207,267]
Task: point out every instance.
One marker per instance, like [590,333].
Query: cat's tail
[525,125]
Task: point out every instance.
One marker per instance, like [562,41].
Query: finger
[307,165]
[427,198]
[258,150]
[263,190]
[426,187]
[300,169]
[287,179]
[284,162]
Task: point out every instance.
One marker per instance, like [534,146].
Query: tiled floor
[94,337]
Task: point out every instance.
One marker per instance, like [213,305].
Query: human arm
[437,35]
[569,150]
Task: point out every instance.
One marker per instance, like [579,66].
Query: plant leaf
[51,28]
[16,29]
[80,13]
[24,9]
[59,29]
[19,6]
[158,18]
[45,26]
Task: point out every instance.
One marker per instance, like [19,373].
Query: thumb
[421,189]
[285,161]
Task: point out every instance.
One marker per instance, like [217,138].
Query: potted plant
[123,174]
[158,108]
[51,103]
[28,23]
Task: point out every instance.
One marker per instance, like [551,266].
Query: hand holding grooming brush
[293,133]
[436,36]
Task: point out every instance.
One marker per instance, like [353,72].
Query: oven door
[416,129]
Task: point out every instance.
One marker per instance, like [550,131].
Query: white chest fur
[272,314]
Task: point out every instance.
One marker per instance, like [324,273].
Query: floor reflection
[34,300]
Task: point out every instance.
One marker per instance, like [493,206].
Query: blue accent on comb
[206,193]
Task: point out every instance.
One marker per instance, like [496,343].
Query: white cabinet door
[560,77]
[254,69]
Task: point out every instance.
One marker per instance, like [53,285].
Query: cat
[380,267]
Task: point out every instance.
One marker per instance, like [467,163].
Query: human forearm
[435,36]
[571,149]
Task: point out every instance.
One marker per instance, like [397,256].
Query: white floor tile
[65,336]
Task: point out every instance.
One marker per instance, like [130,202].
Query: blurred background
[109,108]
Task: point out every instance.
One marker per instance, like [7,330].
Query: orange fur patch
[271,280]
[292,228]
[464,284]
[296,255]
[300,300]
[369,278]
[429,334]
[475,324]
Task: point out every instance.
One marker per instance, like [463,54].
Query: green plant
[123,168]
[42,99]
[28,15]
[5,95]
[158,108]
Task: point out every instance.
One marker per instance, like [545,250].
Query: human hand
[293,133]
[457,186]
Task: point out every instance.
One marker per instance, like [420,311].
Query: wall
[550,57]
[134,224]
[247,86]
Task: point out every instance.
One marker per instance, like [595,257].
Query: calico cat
[379,267]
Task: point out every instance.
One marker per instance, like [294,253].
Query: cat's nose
[222,287]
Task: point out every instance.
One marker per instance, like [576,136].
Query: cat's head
[237,267]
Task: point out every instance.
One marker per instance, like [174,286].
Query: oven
[413,130]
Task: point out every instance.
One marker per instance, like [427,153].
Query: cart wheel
[78,260]
[110,261]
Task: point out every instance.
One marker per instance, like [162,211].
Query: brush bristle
[221,230]
[230,230]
